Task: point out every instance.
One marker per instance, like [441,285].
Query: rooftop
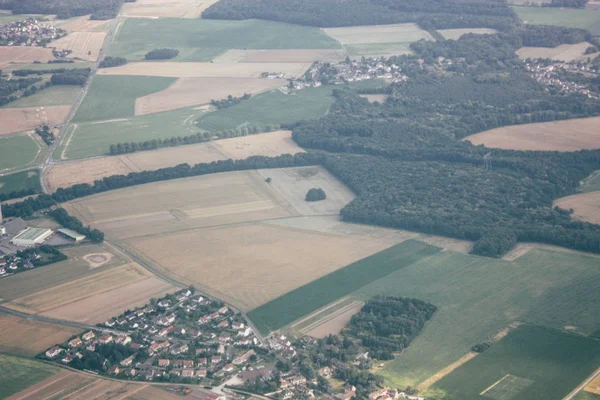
[31,233]
[72,234]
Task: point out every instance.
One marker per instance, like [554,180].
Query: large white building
[32,236]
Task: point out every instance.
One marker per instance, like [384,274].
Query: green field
[17,374]
[202,40]
[570,17]
[532,362]
[586,396]
[18,152]
[19,181]
[272,107]
[308,298]
[52,96]
[591,183]
[111,97]
[478,297]
[7,17]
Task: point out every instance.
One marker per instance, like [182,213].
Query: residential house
[123,340]
[67,359]
[224,338]
[114,370]
[166,331]
[237,325]
[194,333]
[216,359]
[163,362]
[349,392]
[245,332]
[88,336]
[325,372]
[187,373]
[76,342]
[127,362]
[105,339]
[164,304]
[223,310]
[244,357]
[201,373]
[201,361]
[221,348]
[53,352]
[223,324]
[229,368]
[188,364]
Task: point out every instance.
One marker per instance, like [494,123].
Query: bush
[315,194]
[162,54]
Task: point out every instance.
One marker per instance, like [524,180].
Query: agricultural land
[83,45]
[19,151]
[24,119]
[564,52]
[17,374]
[166,9]
[569,17]
[19,181]
[52,96]
[455,34]
[586,206]
[20,54]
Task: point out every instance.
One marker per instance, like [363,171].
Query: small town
[30,32]
[557,74]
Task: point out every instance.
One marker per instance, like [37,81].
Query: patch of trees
[315,194]
[100,9]
[495,243]
[17,194]
[566,3]
[162,54]
[481,347]
[104,357]
[78,76]
[229,101]
[49,255]
[552,36]
[26,72]
[110,62]
[46,134]
[68,221]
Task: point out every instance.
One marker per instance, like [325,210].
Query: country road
[583,385]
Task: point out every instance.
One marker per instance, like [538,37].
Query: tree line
[229,101]
[77,76]
[161,54]
[110,62]
[70,222]
[64,9]
[16,194]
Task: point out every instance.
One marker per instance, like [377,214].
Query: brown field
[380,98]
[85,45]
[333,323]
[279,56]
[397,33]
[206,70]
[166,8]
[24,54]
[593,386]
[455,34]
[24,119]
[586,206]
[564,52]
[87,171]
[191,91]
[23,337]
[83,24]
[569,135]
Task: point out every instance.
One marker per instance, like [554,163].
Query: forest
[99,9]
[229,101]
[110,62]
[78,76]
[161,54]
[68,221]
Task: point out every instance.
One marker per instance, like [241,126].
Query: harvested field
[586,206]
[593,386]
[24,119]
[279,56]
[166,8]
[333,324]
[23,337]
[455,34]
[569,135]
[153,393]
[564,52]
[396,33]
[85,171]
[206,70]
[270,144]
[24,54]
[83,24]
[380,98]
[85,45]
[192,91]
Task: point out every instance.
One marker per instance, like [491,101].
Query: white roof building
[32,236]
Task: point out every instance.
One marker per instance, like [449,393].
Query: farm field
[593,386]
[378,49]
[380,98]
[331,320]
[84,45]
[479,297]
[17,374]
[24,54]
[19,181]
[112,97]
[279,56]
[52,96]
[22,337]
[87,171]
[530,363]
[585,205]
[27,118]
[591,183]
[40,66]
[187,92]
[455,34]
[320,292]
[565,52]
[397,33]
[166,9]
[7,16]
[583,395]
[570,17]
[18,151]
[202,40]
[82,24]
[569,135]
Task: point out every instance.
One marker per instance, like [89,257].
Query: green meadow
[19,151]
[569,17]
[20,181]
[17,374]
[52,96]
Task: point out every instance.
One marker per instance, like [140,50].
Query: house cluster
[30,32]
[555,73]
[11,263]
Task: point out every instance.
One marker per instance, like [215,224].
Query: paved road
[583,385]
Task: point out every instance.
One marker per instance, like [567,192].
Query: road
[583,385]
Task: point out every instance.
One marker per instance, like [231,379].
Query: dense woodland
[17,194]
[78,76]
[110,62]
[161,54]
[99,9]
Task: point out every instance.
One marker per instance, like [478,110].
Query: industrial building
[71,234]
[32,236]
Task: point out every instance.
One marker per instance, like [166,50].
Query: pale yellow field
[586,206]
[593,386]
[192,91]
[206,70]
[24,54]
[396,33]
[278,56]
[455,34]
[334,323]
[83,24]
[270,144]
[85,45]
[380,98]
[564,52]
[569,135]
[24,119]
[166,8]
[24,337]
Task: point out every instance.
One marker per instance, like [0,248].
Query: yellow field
[206,70]
[333,323]
[593,386]
[569,135]
[564,52]
[279,56]
[85,45]
[83,24]
[455,34]
[192,91]
[586,206]
[24,119]
[397,33]
[23,337]
[166,8]
[24,54]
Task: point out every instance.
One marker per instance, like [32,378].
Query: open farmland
[17,374]
[84,45]
[570,17]
[583,395]
[23,337]
[586,206]
[24,54]
[569,135]
[564,52]
[192,91]
[27,118]
[593,386]
[51,96]
[18,151]
[455,34]
[330,320]
[82,24]
[530,363]
[166,8]
[279,56]
[19,181]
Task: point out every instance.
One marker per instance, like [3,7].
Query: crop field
[378,49]
[455,34]
[479,297]
[18,151]
[320,292]
[46,66]
[397,33]
[569,135]
[17,374]
[531,362]
[82,24]
[570,17]
[23,337]
[24,54]
[279,56]
[84,45]
[27,118]
[585,205]
[202,40]
[52,96]
[205,70]
[270,144]
[583,395]
[7,16]
[166,9]
[19,181]
[331,320]
[187,92]
[593,386]
[564,52]
[112,97]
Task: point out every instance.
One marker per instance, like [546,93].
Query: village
[557,73]
[30,32]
